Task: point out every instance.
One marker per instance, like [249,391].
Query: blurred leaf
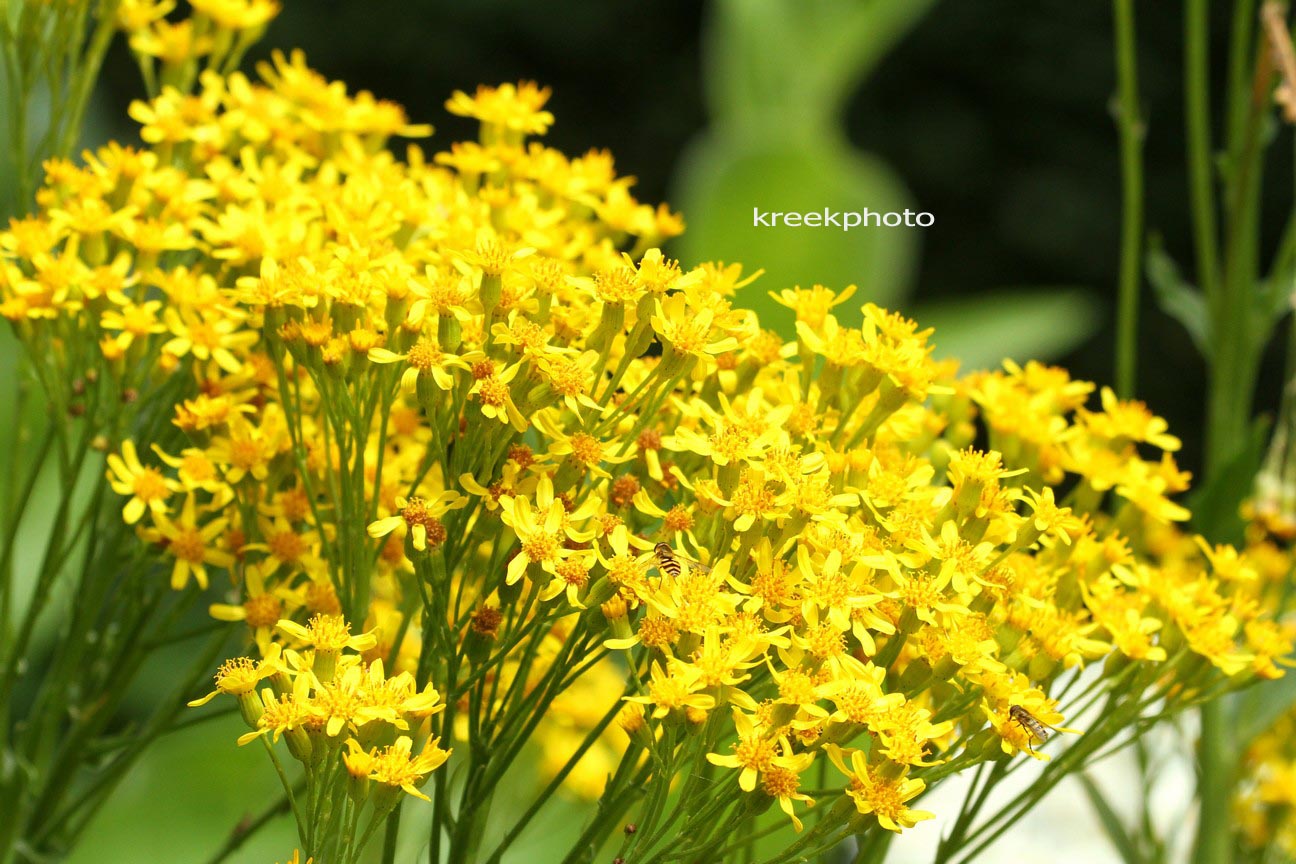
[1177,298]
[1260,707]
[1111,823]
[854,40]
[1214,503]
[725,178]
[1274,299]
[182,799]
[1017,324]
[801,60]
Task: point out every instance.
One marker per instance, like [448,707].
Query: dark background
[995,113]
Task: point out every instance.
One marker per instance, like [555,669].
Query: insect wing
[694,565]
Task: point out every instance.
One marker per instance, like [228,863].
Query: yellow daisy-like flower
[135,15]
[675,687]
[491,390]
[241,675]
[147,487]
[420,518]
[880,790]
[192,545]
[423,358]
[173,44]
[541,529]
[265,605]
[395,767]
[516,108]
[328,634]
[237,14]
[756,751]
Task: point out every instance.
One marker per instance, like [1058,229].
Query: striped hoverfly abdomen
[672,564]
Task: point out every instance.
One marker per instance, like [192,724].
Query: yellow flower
[782,784]
[135,15]
[192,546]
[880,790]
[626,567]
[173,44]
[147,487]
[674,688]
[286,714]
[508,107]
[541,529]
[246,450]
[327,634]
[237,14]
[240,675]
[1048,519]
[585,452]
[812,305]
[195,470]
[571,378]
[264,605]
[420,518]
[423,358]
[286,546]
[756,751]
[134,320]
[1123,422]
[491,389]
[688,332]
[216,337]
[394,766]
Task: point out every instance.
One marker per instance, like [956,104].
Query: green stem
[288,789]
[520,825]
[391,834]
[1214,831]
[1197,127]
[1131,149]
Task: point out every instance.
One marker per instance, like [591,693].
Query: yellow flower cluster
[465,402]
[321,699]
[1265,807]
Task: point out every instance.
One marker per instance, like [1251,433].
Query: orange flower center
[188,545]
[149,485]
[264,610]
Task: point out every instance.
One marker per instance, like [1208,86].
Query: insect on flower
[1038,730]
[668,561]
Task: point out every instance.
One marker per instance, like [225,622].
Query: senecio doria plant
[479,473]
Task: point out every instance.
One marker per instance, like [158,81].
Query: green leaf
[1273,300]
[1260,707]
[857,36]
[799,61]
[1111,823]
[1017,324]
[726,177]
[1177,298]
[1215,504]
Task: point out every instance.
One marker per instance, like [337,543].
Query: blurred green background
[992,115]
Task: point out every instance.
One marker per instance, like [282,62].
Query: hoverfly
[1037,730]
[669,562]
